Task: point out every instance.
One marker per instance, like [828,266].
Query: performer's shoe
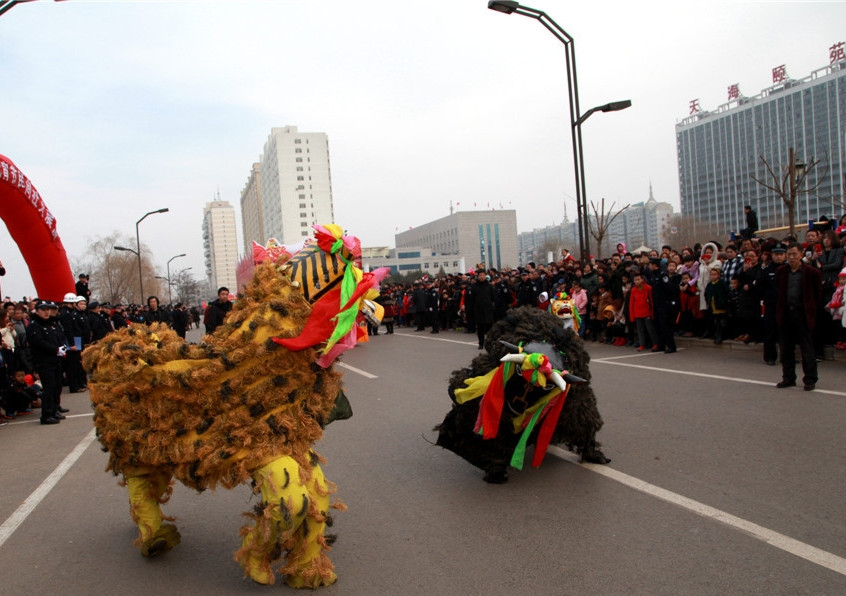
[165,538]
[50,420]
[63,410]
[783,384]
[809,386]
[59,416]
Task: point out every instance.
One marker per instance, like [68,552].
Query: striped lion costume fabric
[244,406]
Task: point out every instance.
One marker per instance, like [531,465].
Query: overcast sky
[114,108]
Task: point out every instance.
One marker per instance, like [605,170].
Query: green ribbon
[346,318]
[520,451]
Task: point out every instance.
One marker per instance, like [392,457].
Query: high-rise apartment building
[252,219]
[295,190]
[719,151]
[220,244]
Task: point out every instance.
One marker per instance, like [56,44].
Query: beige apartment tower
[289,190]
[220,244]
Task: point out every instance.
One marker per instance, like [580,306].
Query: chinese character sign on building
[694,106]
[734,91]
[836,53]
[779,74]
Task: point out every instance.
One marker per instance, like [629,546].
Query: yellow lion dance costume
[246,405]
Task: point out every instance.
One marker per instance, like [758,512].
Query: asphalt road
[719,484]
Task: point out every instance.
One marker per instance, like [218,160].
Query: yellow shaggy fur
[221,412]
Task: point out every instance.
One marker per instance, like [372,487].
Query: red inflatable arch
[33,228]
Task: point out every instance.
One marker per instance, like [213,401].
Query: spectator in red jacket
[640,311]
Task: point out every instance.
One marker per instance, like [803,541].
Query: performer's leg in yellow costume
[147,490]
[293,520]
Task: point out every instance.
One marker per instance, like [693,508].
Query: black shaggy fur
[580,419]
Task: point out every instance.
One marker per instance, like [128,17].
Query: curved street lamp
[6,5]
[138,252]
[576,118]
[169,298]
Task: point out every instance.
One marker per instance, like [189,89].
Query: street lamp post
[138,252]
[576,119]
[6,5]
[125,249]
[169,297]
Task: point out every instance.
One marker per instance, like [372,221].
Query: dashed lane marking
[358,371]
[429,335]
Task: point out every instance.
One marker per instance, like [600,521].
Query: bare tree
[114,274]
[788,184]
[600,222]
[188,290]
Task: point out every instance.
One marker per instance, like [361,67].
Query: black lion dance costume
[530,387]
[244,406]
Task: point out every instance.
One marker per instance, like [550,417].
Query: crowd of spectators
[71,326]
[718,291]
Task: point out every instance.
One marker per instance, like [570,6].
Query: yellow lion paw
[165,538]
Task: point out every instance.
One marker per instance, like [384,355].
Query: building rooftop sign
[781,80]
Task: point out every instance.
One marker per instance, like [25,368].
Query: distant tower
[220,244]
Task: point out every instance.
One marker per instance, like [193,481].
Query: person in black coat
[156,314]
[483,306]
[433,306]
[665,296]
[769,296]
[99,327]
[118,318]
[47,347]
[74,323]
[217,310]
[181,320]
[82,288]
[751,223]
[418,299]
[527,290]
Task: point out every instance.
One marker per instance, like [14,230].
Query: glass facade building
[720,151]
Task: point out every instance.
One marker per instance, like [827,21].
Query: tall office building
[295,191]
[719,151]
[220,244]
[252,219]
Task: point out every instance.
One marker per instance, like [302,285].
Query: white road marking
[21,513]
[358,371]
[780,541]
[710,376]
[635,355]
[429,336]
